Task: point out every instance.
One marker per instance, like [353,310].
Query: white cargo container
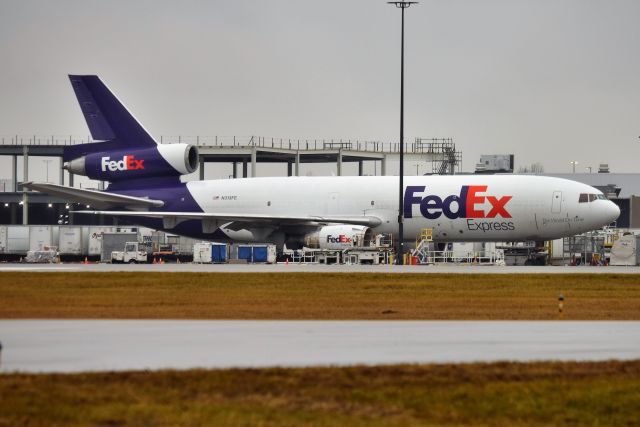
[463,251]
[625,251]
[557,249]
[202,253]
[40,237]
[17,239]
[70,240]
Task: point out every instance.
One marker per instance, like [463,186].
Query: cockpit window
[586,198]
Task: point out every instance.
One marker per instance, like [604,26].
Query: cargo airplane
[329,212]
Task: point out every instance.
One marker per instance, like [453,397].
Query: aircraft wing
[99,199]
[171,219]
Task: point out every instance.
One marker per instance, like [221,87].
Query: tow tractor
[131,254]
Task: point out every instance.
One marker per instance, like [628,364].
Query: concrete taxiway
[319,268]
[106,345]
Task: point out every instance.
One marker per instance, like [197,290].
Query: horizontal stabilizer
[237,217]
[99,199]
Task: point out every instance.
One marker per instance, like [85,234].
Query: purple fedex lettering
[432,206]
[461,211]
[410,200]
[455,206]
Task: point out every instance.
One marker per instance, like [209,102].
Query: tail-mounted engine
[116,165]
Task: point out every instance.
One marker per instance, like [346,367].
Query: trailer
[40,238]
[70,240]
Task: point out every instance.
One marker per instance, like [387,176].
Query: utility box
[625,251]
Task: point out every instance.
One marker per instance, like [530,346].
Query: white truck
[131,254]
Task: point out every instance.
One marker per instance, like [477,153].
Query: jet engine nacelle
[162,160]
[339,237]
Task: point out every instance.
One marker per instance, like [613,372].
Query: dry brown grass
[499,394]
[317,296]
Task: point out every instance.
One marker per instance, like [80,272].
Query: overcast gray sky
[548,80]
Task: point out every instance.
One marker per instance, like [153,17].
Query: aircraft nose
[613,211]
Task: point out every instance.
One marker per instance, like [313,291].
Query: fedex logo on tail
[468,204]
[128,162]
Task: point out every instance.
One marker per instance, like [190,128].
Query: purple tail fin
[107,118]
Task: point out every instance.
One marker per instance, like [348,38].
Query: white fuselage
[457,208]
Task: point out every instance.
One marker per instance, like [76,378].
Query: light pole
[417,165]
[573,163]
[402,5]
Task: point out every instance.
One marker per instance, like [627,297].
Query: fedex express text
[469,205]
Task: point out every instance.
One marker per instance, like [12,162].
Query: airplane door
[556,202]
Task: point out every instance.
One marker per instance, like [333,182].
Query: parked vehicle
[132,254]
